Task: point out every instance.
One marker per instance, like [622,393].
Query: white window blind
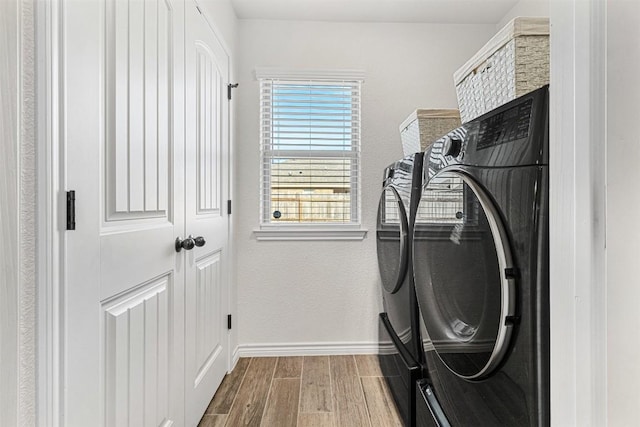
[310,149]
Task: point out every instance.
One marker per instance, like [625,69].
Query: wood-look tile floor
[309,391]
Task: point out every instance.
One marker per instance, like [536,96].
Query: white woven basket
[514,62]
[424,126]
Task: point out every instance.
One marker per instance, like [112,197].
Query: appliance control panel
[514,134]
[506,126]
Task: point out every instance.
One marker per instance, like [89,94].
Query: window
[310,150]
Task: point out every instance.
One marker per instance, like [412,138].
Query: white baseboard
[306,349]
[234,358]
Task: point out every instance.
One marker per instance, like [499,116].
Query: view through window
[310,142]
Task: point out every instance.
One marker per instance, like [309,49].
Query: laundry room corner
[325,295]
[319,212]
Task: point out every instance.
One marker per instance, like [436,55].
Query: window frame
[310,231]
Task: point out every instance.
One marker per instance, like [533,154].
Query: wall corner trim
[235,355]
[577,206]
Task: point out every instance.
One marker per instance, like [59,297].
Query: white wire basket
[514,62]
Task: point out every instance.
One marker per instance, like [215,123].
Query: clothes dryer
[400,352]
[481,267]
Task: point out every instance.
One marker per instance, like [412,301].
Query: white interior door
[122,82]
[206,194]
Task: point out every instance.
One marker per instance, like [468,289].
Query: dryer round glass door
[462,268]
[392,240]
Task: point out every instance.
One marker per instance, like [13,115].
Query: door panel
[137,327]
[206,178]
[208,311]
[124,143]
[143,176]
[139,57]
[149,247]
[209,100]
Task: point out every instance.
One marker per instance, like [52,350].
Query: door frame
[577,206]
[18,187]
[50,216]
[50,254]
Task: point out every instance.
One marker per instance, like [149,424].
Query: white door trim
[577,213]
[17,187]
[231,334]
[49,214]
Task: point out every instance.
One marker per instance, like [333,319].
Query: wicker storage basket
[514,62]
[424,126]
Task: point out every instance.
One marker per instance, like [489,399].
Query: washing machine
[481,269]
[400,352]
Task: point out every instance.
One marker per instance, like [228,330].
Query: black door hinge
[229,87]
[228,321]
[228,207]
[71,210]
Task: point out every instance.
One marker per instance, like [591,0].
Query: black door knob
[199,241]
[186,244]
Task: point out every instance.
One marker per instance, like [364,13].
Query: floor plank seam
[334,403]
[300,392]
[364,397]
[355,362]
[266,402]
[235,397]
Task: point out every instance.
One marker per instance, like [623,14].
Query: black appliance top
[515,134]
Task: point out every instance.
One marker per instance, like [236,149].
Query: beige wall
[328,292]
[222,17]
[525,8]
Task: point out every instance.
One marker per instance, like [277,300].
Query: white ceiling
[428,11]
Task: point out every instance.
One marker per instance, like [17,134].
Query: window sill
[308,234]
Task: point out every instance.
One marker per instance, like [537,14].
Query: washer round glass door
[392,240]
[463,272]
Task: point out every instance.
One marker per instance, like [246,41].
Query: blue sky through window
[311,117]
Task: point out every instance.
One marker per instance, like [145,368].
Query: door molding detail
[49,202]
[18,279]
